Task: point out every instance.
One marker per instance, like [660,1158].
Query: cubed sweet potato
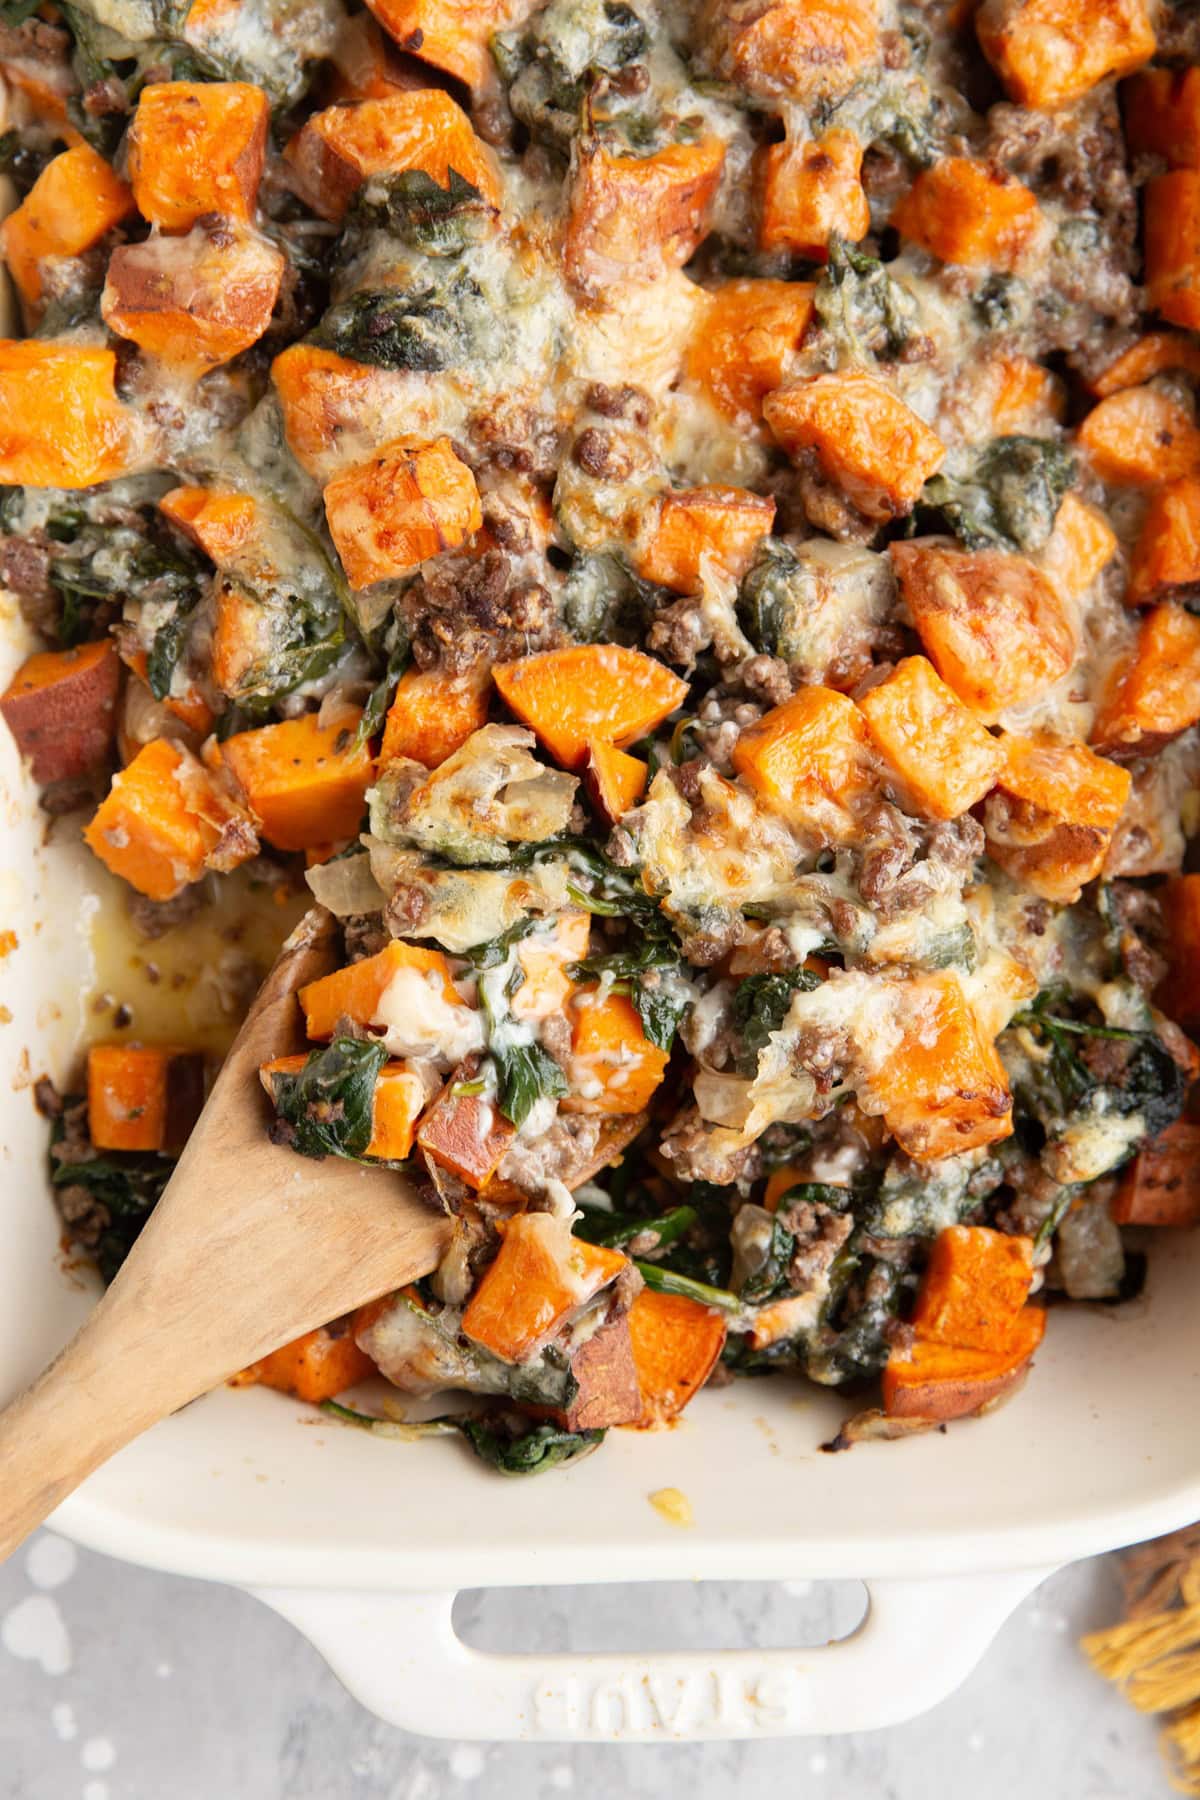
[61,708]
[945,1090]
[607,1381]
[61,424]
[540,1276]
[335,410]
[340,148]
[807,51]
[968,213]
[1049,52]
[164,822]
[1165,564]
[1052,818]
[544,960]
[1026,396]
[940,1383]
[1139,437]
[410,502]
[433,714]
[75,201]
[219,521]
[992,625]
[315,1367]
[466,1133]
[1154,353]
[613,1067]
[305,783]
[744,342]
[454,35]
[721,524]
[195,301]
[630,218]
[614,781]
[197,147]
[396,1103]
[1161,1186]
[588,692]
[357,991]
[1081,545]
[1161,111]
[676,1343]
[943,756]
[809,759]
[1171,246]
[142,1096]
[811,191]
[866,440]
[1155,693]
[1179,993]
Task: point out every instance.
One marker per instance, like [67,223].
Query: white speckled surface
[119,1684]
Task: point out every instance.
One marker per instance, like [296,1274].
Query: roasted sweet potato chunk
[676,1344]
[744,340]
[1082,544]
[305,783]
[1165,564]
[615,782]
[613,1067]
[939,1382]
[433,714]
[315,1367]
[802,50]
[357,991]
[810,192]
[61,424]
[220,521]
[453,35]
[809,759]
[588,692]
[1139,437]
[993,627]
[1161,1186]
[1048,52]
[1155,693]
[1171,230]
[944,757]
[163,823]
[197,147]
[632,217]
[544,960]
[333,407]
[945,1090]
[1161,111]
[721,524]
[540,1276]
[340,148]
[466,1134]
[410,502]
[1179,994]
[965,212]
[866,440]
[142,1096]
[1052,818]
[607,1378]
[1155,353]
[75,201]
[195,301]
[61,708]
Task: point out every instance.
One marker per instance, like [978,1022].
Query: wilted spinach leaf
[435,327]
[761,1005]
[124,1187]
[325,1109]
[1138,1075]
[414,208]
[525,1074]
[861,306]
[531,1451]
[1010,498]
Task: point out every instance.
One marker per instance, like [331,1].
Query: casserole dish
[362,1544]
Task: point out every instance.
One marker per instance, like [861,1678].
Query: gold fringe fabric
[1154,1654]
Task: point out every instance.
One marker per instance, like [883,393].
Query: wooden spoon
[249,1246]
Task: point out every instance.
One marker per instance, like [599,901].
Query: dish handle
[400,1655]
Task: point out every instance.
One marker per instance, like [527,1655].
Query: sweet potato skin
[466,1134]
[941,1384]
[197,147]
[1161,1186]
[61,708]
[963,212]
[867,441]
[410,502]
[607,1375]
[631,218]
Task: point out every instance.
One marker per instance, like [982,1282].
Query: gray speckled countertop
[120,1684]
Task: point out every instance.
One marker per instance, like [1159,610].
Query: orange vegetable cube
[74,202]
[1027,396]
[454,35]
[613,1066]
[810,191]
[676,1343]
[197,147]
[607,1391]
[1139,437]
[540,1277]
[357,991]
[1161,1186]
[142,1096]
[219,521]
[945,1091]
[367,65]
[160,822]
[1161,112]
[327,401]
[304,782]
[433,714]
[632,217]
[340,148]
[801,50]
[1048,52]
[466,1133]
[964,212]
[993,627]
[61,708]
[1166,558]
[1171,233]
[944,757]
[586,693]
[61,424]
[808,758]
[410,502]
[614,781]
[1052,819]
[1156,353]
[315,1367]
[1179,994]
[866,440]
[546,987]
[723,524]
[940,1382]
[1155,694]
[396,1103]
[1082,544]
[975,1284]
[196,301]
[745,339]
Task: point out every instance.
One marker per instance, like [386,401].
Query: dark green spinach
[760,1007]
[325,1109]
[1009,499]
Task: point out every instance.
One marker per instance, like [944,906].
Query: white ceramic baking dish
[363,1543]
